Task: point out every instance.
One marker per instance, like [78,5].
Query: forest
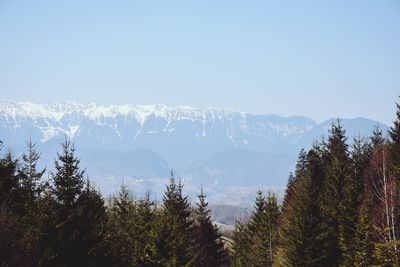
[341,208]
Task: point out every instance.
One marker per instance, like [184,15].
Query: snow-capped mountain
[170,131]
[208,145]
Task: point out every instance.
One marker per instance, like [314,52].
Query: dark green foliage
[394,134]
[121,244]
[75,217]
[364,245]
[300,222]
[131,231]
[333,232]
[68,180]
[31,178]
[178,226]
[352,196]
[255,243]
[241,245]
[209,249]
[10,191]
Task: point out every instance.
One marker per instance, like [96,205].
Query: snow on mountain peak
[57,111]
[72,119]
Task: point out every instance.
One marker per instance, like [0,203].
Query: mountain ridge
[212,147]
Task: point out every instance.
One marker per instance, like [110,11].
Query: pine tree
[241,248]
[120,240]
[209,249]
[394,134]
[273,213]
[352,193]
[71,238]
[90,215]
[68,179]
[12,248]
[144,225]
[178,226]
[377,138]
[300,229]
[10,190]
[30,177]
[334,236]
[257,224]
[363,241]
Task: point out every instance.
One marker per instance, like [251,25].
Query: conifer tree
[208,246]
[300,230]
[334,236]
[241,248]
[363,240]
[12,248]
[352,196]
[394,134]
[71,238]
[30,177]
[68,179]
[31,186]
[91,218]
[178,226]
[120,240]
[10,190]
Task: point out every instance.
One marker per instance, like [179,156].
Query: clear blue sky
[321,59]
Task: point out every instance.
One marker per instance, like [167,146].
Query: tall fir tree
[71,238]
[241,248]
[352,193]
[10,190]
[394,134]
[300,230]
[363,241]
[30,177]
[120,239]
[179,225]
[31,189]
[334,235]
[209,249]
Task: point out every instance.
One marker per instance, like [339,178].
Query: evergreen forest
[341,207]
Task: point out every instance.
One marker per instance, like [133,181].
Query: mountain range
[139,144]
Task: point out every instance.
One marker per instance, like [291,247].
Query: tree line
[64,221]
[340,208]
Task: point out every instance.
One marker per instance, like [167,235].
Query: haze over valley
[230,153]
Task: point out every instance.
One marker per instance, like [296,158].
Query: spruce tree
[208,249]
[352,196]
[10,190]
[120,239]
[12,247]
[363,241]
[300,229]
[241,248]
[394,134]
[178,226]
[71,238]
[68,180]
[334,219]
[30,177]
[91,225]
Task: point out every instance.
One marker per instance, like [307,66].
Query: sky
[320,59]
